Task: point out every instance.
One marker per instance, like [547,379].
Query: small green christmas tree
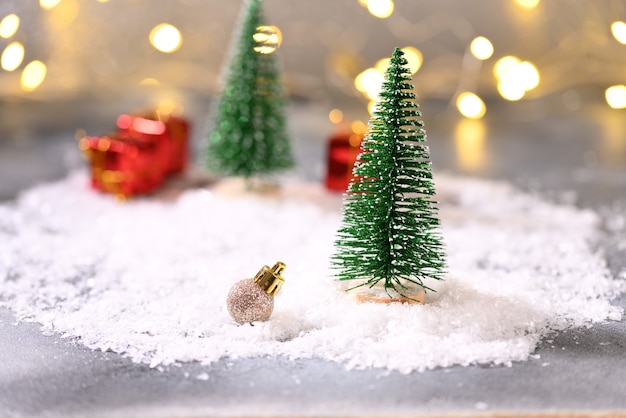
[389,231]
[249,134]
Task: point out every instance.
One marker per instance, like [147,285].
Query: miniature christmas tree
[249,134]
[389,231]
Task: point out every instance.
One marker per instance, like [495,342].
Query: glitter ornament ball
[252,300]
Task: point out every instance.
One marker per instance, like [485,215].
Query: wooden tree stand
[417,296]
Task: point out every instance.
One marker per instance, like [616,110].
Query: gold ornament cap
[270,280]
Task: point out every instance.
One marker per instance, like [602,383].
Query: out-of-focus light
[169,107]
[470,144]
[382,65]
[33,75]
[363,3]
[616,96]
[372,106]
[481,48]
[527,74]
[505,66]
[12,56]
[103,1]
[335,116]
[48,4]
[268,39]
[149,82]
[358,127]
[165,38]
[528,4]
[618,29]
[511,89]
[369,82]
[9,25]
[380,8]
[414,57]
[470,105]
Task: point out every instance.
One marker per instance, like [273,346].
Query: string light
[369,82]
[166,38]
[616,96]
[481,48]
[33,75]
[527,4]
[12,56]
[380,8]
[515,77]
[470,105]
[510,89]
[414,58]
[48,4]
[618,29]
[335,116]
[505,65]
[9,25]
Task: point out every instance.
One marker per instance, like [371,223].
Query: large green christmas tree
[249,134]
[390,224]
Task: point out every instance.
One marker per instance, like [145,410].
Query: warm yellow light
[414,57]
[358,127]
[470,105]
[511,89]
[505,66]
[481,48]
[616,96]
[9,25]
[165,38]
[527,4]
[363,3]
[618,29]
[369,82]
[169,107]
[371,106]
[33,75]
[335,116]
[382,65]
[149,82]
[12,56]
[48,4]
[380,8]
[470,144]
[103,1]
[268,39]
[526,74]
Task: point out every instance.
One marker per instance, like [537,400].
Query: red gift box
[139,156]
[343,149]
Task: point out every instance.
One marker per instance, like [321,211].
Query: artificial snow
[148,278]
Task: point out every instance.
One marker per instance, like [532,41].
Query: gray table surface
[579,370]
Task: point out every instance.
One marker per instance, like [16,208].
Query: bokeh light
[515,77]
[33,75]
[470,105]
[414,58]
[481,48]
[527,4]
[510,89]
[505,65]
[469,139]
[527,74]
[618,29]
[268,39]
[382,65]
[48,4]
[166,38]
[380,8]
[12,56]
[335,116]
[358,127]
[9,25]
[369,82]
[149,82]
[616,96]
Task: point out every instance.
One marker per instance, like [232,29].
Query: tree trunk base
[414,297]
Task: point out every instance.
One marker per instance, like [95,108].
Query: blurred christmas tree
[249,134]
[389,231]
